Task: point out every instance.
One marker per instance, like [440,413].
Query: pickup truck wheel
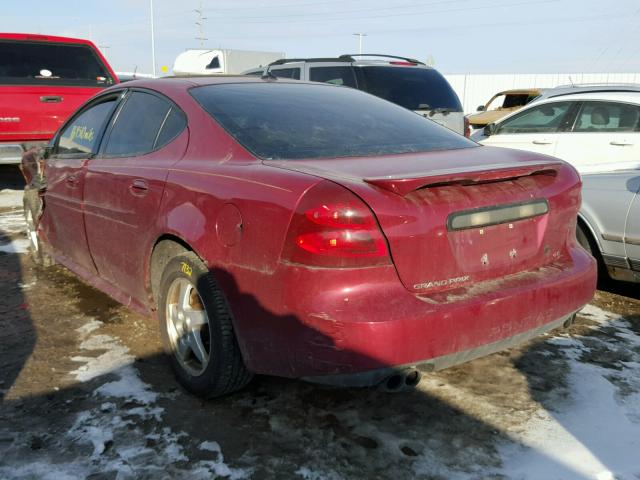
[197,330]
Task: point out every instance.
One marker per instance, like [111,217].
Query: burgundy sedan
[309,231]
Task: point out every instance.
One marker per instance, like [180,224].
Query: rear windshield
[413,88]
[292,121]
[34,63]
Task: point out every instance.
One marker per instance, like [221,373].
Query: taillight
[467,128]
[334,228]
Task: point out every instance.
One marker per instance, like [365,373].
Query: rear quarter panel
[234,212]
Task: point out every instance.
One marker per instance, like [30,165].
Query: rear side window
[608,117]
[214,63]
[293,73]
[82,134]
[334,75]
[39,63]
[293,121]
[145,123]
[411,87]
[546,118]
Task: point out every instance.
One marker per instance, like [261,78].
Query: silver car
[609,222]
[404,81]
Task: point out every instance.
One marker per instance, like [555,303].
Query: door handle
[72,180]
[621,143]
[541,142]
[139,187]
[50,99]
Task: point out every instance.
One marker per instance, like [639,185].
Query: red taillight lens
[333,228]
[467,128]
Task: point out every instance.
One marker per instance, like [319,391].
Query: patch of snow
[115,360]
[118,435]
[597,435]
[27,286]
[45,471]
[309,474]
[210,447]
[12,222]
[11,198]
[20,245]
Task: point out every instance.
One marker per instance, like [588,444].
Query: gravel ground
[86,393]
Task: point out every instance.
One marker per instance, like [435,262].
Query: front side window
[334,75]
[514,100]
[82,134]
[293,73]
[281,121]
[41,63]
[510,100]
[607,117]
[547,118]
[144,124]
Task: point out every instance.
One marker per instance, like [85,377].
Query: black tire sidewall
[583,240]
[209,380]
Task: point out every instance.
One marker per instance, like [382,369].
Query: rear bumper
[375,377]
[365,324]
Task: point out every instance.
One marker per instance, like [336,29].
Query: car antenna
[571,81]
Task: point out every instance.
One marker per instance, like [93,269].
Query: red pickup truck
[43,79]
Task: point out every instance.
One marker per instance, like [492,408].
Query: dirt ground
[86,393]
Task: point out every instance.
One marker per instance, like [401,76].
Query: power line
[200,24]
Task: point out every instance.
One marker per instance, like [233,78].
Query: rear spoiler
[405,184]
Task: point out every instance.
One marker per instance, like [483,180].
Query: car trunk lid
[458,217]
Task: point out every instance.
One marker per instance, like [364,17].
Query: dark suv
[404,81]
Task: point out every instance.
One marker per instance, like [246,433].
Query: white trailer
[221,61]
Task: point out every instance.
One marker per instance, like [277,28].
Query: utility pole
[360,35]
[153,43]
[200,24]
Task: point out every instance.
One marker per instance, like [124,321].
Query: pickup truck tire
[197,329]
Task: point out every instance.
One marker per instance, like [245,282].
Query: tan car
[501,104]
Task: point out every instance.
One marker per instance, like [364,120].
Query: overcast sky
[476,36]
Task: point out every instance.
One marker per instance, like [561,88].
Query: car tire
[197,329]
[32,208]
[585,241]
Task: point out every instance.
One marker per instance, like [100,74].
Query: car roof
[172,84]
[616,96]
[578,89]
[42,38]
[357,59]
[520,91]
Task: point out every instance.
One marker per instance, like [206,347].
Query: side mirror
[46,151]
[480,108]
[489,130]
